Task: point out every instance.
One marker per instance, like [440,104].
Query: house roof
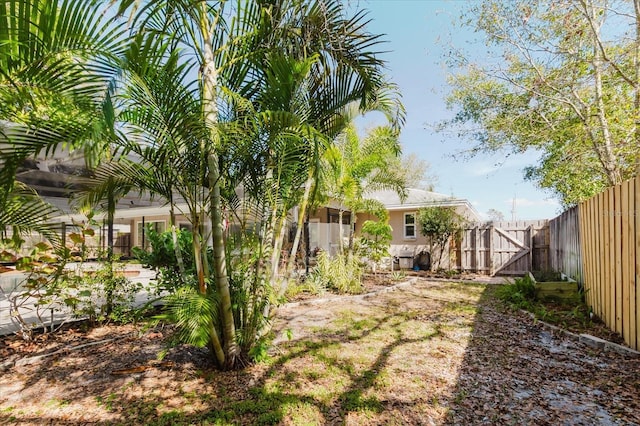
[418,198]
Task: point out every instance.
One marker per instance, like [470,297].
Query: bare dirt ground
[426,353]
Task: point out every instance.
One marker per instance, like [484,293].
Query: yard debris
[428,353]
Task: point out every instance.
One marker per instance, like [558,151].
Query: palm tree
[56,59]
[320,52]
[198,86]
[355,167]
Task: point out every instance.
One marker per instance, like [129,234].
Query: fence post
[491,232]
[530,243]
[476,248]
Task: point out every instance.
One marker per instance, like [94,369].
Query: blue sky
[418,32]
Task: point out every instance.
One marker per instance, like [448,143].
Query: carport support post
[143,233]
[63,229]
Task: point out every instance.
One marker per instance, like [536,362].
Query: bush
[162,258]
[376,241]
[521,293]
[440,224]
[342,273]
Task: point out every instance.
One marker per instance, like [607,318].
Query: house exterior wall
[324,230]
[403,246]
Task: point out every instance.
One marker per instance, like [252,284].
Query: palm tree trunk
[352,229]
[278,243]
[340,232]
[210,111]
[197,252]
[301,214]
[174,236]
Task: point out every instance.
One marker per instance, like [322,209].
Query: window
[410,225]
[157,226]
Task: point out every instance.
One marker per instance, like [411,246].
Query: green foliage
[311,285]
[340,272]
[193,314]
[398,275]
[375,240]
[548,87]
[440,224]
[162,258]
[521,293]
[250,292]
[59,279]
[247,119]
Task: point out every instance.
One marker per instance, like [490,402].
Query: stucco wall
[402,246]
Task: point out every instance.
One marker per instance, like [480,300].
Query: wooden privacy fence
[505,248]
[609,227]
[564,241]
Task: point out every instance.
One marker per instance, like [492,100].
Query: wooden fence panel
[505,248]
[610,248]
[565,255]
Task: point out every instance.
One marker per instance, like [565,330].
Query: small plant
[521,293]
[398,275]
[342,273]
[375,241]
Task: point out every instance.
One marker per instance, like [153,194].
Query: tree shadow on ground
[515,371]
[342,372]
[433,354]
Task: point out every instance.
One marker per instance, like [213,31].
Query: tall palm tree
[234,50]
[208,94]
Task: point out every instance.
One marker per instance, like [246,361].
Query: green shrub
[162,258]
[521,293]
[341,272]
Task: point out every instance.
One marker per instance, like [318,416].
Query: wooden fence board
[617,263]
[631,262]
[608,225]
[610,287]
[603,224]
[624,261]
[637,263]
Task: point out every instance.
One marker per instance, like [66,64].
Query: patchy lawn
[429,353]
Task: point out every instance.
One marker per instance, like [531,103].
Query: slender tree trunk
[197,253]
[111,213]
[280,233]
[607,156]
[176,246]
[299,228]
[340,231]
[352,229]
[210,110]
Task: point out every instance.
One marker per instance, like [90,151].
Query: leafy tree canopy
[439,223]
[560,77]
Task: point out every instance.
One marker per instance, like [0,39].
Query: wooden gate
[505,248]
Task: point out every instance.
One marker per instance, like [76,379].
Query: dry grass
[413,356]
